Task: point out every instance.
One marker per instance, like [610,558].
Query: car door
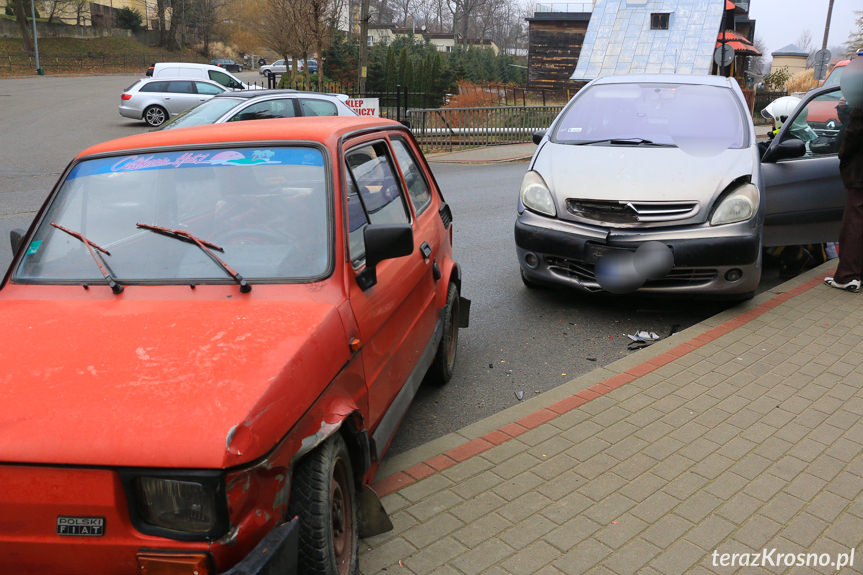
[180,95]
[397,317]
[804,195]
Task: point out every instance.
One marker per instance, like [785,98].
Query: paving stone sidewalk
[738,435]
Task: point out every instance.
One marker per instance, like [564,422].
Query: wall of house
[793,63]
[553,50]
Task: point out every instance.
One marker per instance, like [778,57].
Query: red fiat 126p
[210,336]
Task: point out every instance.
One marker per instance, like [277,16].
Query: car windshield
[205,113]
[263,211]
[834,77]
[695,118]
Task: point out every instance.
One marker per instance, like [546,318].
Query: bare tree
[855,38]
[21,18]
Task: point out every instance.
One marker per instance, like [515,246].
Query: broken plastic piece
[519,395]
[644,336]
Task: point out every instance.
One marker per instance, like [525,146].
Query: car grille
[677,277]
[623,212]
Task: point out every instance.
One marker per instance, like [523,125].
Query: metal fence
[448,128]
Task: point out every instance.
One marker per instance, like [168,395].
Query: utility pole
[827,25]
[364,46]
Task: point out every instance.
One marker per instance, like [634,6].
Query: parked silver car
[155,100]
[262,105]
[654,183]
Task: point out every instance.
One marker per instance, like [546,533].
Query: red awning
[740,44]
[729,5]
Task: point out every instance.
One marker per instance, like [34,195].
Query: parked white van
[197,71]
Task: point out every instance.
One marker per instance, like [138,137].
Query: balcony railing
[573,7]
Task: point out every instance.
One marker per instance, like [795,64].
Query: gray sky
[781,22]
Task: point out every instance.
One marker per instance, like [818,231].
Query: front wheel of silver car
[441,369]
[324,498]
[155,116]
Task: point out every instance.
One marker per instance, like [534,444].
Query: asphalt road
[521,342]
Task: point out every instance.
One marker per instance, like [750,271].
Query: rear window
[664,114]
[315,107]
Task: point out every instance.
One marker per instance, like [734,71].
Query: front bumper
[707,260]
[276,554]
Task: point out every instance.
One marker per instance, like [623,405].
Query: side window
[820,123]
[180,87]
[418,187]
[264,110]
[374,196]
[154,87]
[205,88]
[222,79]
[313,107]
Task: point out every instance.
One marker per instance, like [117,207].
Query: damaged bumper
[276,554]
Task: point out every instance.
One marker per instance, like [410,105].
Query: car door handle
[425,250]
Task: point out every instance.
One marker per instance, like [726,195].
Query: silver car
[262,105]
[155,100]
[656,184]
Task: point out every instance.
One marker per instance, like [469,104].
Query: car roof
[703,80]
[324,129]
[250,94]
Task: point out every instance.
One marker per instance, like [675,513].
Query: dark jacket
[851,150]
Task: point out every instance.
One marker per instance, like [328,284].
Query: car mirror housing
[791,148]
[384,242]
[538,136]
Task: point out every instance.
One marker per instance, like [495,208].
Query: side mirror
[791,148]
[384,242]
[538,136]
[16,237]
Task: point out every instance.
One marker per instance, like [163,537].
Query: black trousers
[851,239]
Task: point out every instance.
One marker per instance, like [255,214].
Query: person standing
[849,272]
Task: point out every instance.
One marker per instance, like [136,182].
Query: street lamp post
[39,69]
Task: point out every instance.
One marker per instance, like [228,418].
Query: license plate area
[593,252]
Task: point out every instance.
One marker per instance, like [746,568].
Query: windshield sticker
[202,158]
[34,247]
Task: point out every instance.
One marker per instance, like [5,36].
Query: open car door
[804,195]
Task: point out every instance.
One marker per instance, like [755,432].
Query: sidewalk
[739,434]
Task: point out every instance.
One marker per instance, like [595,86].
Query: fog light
[531,260]
[173,564]
[733,275]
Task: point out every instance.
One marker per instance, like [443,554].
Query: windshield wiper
[100,261]
[206,247]
[620,142]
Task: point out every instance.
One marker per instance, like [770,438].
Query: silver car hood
[640,174]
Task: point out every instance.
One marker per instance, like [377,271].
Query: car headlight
[536,196]
[187,506]
[738,206]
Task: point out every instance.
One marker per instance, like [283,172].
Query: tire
[268,73]
[155,115]
[441,369]
[323,495]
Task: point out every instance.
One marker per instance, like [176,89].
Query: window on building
[659,21]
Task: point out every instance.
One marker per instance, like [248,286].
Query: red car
[210,336]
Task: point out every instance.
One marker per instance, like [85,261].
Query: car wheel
[441,368]
[155,115]
[268,73]
[324,498]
